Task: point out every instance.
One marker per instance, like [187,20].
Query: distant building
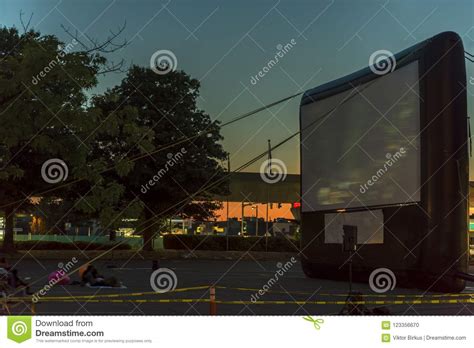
[258,202]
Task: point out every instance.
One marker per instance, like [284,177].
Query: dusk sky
[225,43]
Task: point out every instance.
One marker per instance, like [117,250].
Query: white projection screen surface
[366,152]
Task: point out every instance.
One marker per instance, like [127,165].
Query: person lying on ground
[92,277]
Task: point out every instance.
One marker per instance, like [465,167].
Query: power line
[238,118]
[469,57]
[159,149]
[253,160]
[281,143]
[181,141]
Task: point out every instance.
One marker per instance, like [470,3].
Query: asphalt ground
[227,276]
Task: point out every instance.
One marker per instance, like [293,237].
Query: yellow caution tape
[133,294]
[105,297]
[393,302]
[345,294]
[71,300]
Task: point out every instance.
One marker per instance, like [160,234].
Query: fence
[134,242]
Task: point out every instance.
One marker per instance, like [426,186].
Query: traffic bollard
[212,303]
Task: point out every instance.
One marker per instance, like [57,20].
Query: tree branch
[95,46]
[26,26]
[113,67]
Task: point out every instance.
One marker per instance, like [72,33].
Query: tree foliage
[44,115]
[146,132]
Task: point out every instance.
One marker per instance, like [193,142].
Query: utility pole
[256,219]
[266,218]
[269,157]
[242,222]
[268,189]
[227,209]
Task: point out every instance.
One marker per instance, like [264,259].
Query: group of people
[89,275]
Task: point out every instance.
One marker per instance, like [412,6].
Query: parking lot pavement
[227,276]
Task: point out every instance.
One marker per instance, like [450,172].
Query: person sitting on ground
[92,277]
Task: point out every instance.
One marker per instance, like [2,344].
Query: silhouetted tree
[181,170]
